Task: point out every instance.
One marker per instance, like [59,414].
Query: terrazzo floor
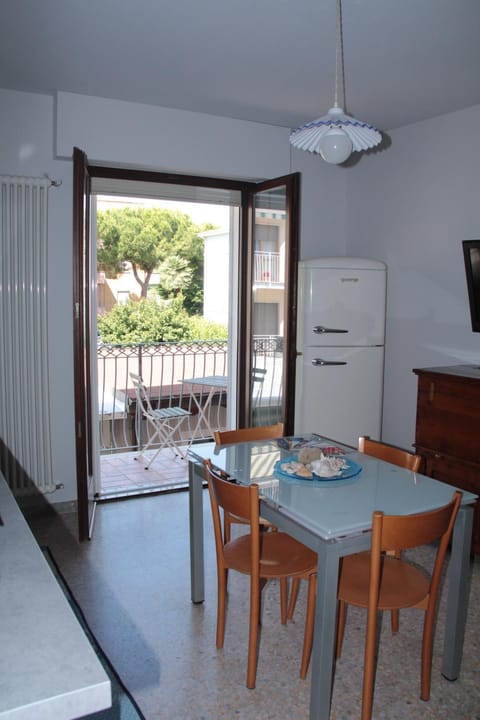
[132,582]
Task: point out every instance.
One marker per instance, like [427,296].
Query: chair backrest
[143,399]
[258,385]
[390,453]
[258,375]
[262,432]
[393,532]
[238,500]
[409,531]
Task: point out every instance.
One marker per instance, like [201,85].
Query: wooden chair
[262,432]
[261,555]
[378,581]
[395,456]
[390,453]
[226,437]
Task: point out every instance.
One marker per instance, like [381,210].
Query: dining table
[333,516]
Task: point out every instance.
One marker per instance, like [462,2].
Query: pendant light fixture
[336,135]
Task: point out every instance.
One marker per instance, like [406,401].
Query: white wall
[37,135]
[322,209]
[216,257]
[411,206]
[155,138]
[26,148]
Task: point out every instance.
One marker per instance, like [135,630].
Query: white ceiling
[270,61]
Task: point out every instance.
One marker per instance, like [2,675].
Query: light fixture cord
[339,68]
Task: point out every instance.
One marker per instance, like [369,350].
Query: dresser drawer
[461,474]
[448,416]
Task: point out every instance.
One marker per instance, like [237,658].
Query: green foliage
[207,330]
[175,276]
[148,237]
[147,321]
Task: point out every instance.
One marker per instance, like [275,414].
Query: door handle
[321,330]
[322,363]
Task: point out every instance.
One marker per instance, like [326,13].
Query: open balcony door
[280,195]
[269,206]
[84,280]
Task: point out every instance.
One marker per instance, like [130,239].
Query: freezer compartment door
[341,306]
[339,393]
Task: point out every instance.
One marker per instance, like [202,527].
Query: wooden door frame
[83,173]
[292,187]
[81,346]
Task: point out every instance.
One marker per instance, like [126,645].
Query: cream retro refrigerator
[340,348]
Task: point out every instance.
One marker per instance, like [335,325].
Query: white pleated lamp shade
[335,135]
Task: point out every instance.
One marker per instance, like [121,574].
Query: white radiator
[24,386]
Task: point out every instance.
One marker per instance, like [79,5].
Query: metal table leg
[458,590]
[195,486]
[324,634]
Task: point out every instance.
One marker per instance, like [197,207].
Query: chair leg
[395,620]
[164,444]
[342,618]
[309,626]
[283,599]
[255,594]
[166,440]
[222,592]
[369,664]
[156,434]
[427,650]
[293,597]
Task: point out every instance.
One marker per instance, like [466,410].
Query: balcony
[163,368]
[266,269]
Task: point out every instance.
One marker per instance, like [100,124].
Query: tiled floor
[132,581]
[122,474]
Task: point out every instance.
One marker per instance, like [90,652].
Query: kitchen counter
[48,669]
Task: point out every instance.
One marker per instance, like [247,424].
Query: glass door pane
[270,301]
[268,306]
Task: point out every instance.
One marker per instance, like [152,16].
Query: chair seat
[402,585]
[280,555]
[171,413]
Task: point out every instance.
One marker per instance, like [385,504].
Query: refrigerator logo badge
[349,279]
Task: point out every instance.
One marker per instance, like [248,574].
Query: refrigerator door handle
[322,363]
[321,330]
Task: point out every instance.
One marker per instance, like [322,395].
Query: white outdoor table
[213,383]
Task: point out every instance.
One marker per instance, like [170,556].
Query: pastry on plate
[307,454]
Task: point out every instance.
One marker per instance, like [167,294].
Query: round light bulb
[335,146]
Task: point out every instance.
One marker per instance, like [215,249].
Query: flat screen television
[471,254]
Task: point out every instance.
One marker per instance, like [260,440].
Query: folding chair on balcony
[162,423]
[266,394]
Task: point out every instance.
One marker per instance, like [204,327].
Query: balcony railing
[163,367]
[266,268]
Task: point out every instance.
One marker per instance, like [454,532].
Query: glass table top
[330,507]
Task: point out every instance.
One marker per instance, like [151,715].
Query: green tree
[146,237]
[175,276]
[147,321]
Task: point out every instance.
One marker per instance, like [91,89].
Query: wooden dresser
[448,429]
